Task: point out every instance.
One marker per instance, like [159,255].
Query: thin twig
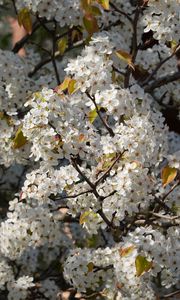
[114,24]
[40,47]
[94,191]
[53,55]
[134,45]
[171,294]
[109,195]
[93,187]
[39,66]
[41,21]
[109,129]
[170,191]
[74,196]
[162,62]
[118,71]
[103,177]
[164,216]
[47,60]
[120,11]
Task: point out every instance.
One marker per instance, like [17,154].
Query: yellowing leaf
[142,265]
[90,23]
[19,139]
[24,19]
[168,174]
[72,86]
[84,216]
[68,84]
[104,4]
[125,56]
[93,114]
[64,85]
[105,162]
[173,44]
[62,45]
[90,267]
[126,251]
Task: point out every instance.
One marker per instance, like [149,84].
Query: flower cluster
[162,17]
[54,9]
[96,204]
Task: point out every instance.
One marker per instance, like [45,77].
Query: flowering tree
[90,165]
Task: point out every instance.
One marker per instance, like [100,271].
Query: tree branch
[14,5]
[134,45]
[94,191]
[105,219]
[24,40]
[92,185]
[162,81]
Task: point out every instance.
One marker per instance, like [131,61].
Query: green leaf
[90,23]
[92,241]
[142,265]
[24,19]
[168,174]
[95,11]
[62,45]
[19,139]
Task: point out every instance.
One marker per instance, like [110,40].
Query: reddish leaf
[90,23]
